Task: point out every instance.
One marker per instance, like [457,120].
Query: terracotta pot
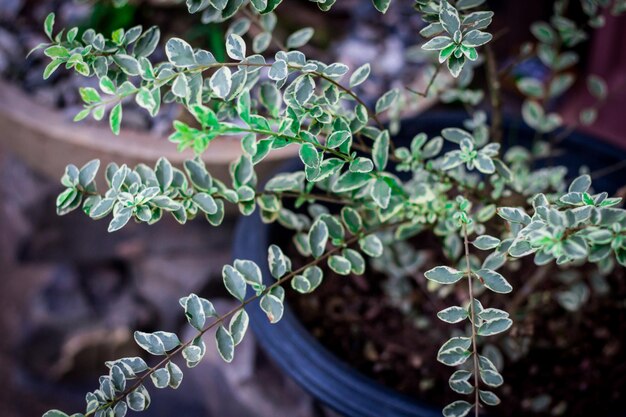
[48,140]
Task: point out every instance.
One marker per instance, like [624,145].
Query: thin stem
[529,288]
[319,197]
[429,85]
[493,84]
[351,93]
[608,170]
[473,320]
[221,319]
[255,19]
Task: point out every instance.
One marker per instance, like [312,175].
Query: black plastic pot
[321,373]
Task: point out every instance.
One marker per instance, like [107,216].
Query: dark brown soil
[575,365]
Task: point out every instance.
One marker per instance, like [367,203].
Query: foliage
[457,187]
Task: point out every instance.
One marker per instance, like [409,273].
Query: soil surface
[573,365]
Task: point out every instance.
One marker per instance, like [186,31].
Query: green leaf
[335,70]
[309,155]
[284,182]
[339,264]
[150,343]
[238,326]
[437,43]
[235,47]
[180,87]
[351,219]
[457,409]
[387,100]
[356,260]
[455,65]
[597,87]
[234,282]
[453,314]
[359,75]
[160,378]
[371,245]
[543,32]
[225,344]
[361,164]
[475,38]
[299,38]
[57,51]
[486,242]
[449,18]
[489,397]
[455,351]
[176,375]
[381,193]
[51,67]
[337,138]
[147,43]
[55,413]
[304,89]
[88,172]
[456,135]
[278,71]
[261,42]
[250,271]
[349,181]
[279,264]
[301,284]
[205,202]
[381,5]
[127,63]
[179,53]
[580,184]
[136,401]
[531,87]
[490,314]
[491,377]
[273,307]
[89,95]
[115,118]
[533,113]
[48,26]
[194,311]
[193,355]
[444,275]
[484,163]
[318,237]
[380,151]
[120,218]
[513,215]
[200,178]
[459,382]
[495,281]
[221,82]
[490,328]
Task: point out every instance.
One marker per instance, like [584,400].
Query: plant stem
[473,320]
[168,357]
[529,287]
[255,19]
[493,84]
[429,85]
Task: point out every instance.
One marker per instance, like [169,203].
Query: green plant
[459,195]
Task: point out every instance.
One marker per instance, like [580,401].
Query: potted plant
[507,231]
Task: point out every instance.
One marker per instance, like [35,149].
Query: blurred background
[71,294]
